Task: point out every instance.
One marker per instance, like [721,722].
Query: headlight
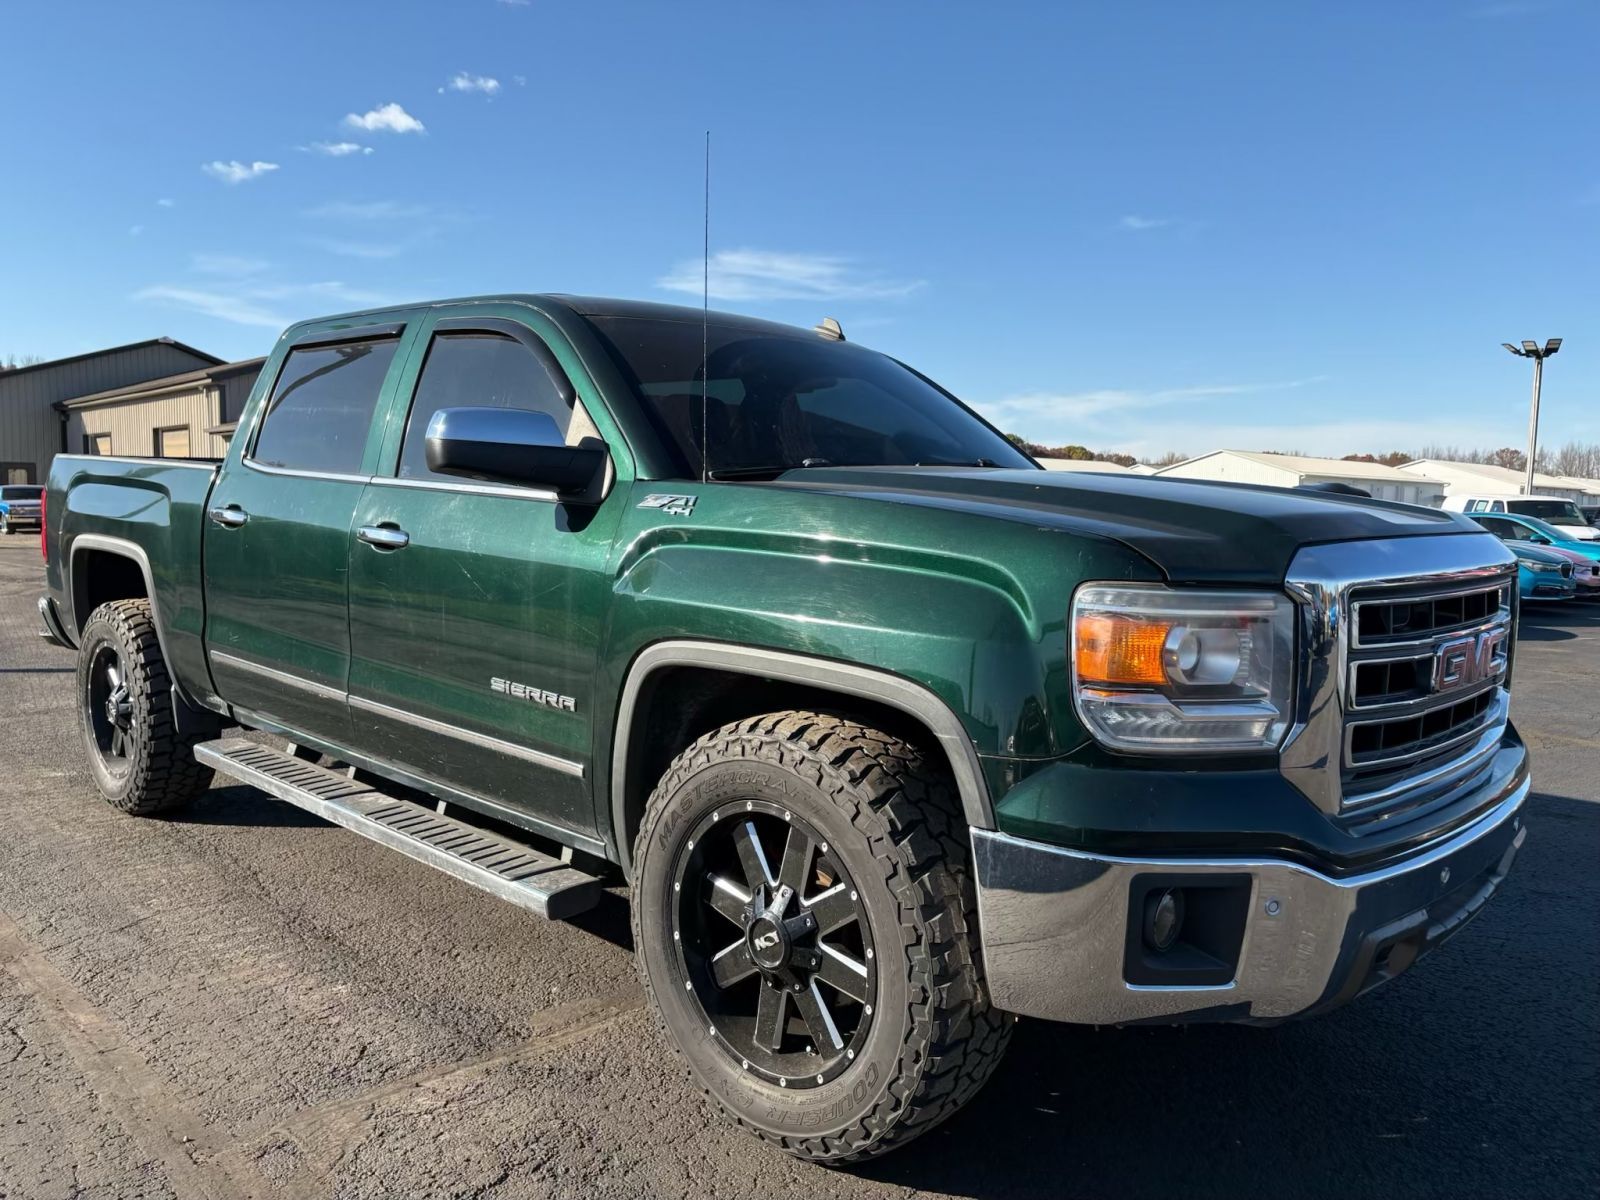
[1159,670]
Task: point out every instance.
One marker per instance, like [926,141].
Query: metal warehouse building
[1293,470]
[157,397]
[182,416]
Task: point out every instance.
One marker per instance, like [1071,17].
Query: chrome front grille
[1403,670]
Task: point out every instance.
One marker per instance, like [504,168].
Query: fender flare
[125,549]
[849,679]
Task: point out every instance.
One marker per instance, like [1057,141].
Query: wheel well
[101,575]
[684,703]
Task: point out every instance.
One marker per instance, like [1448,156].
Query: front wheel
[806,929]
[5,525]
[141,762]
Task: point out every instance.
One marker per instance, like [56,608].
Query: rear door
[477,610]
[277,539]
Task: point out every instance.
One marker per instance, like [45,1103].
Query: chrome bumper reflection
[1055,922]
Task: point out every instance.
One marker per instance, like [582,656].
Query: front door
[277,535]
[477,610]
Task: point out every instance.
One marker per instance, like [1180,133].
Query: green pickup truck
[893,735]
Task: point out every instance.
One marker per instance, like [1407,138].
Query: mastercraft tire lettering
[804,921]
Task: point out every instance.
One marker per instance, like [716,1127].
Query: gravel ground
[246,1001]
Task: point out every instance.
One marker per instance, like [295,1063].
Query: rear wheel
[141,762]
[805,925]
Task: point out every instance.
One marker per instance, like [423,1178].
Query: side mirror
[1539,539]
[512,445]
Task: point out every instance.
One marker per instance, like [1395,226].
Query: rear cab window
[320,411]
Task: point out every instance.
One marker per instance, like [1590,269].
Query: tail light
[44,544]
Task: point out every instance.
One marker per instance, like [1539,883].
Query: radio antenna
[705,328]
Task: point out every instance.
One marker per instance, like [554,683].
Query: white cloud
[461,81]
[135,230]
[165,202]
[242,291]
[336,149]
[368,210]
[1138,224]
[225,306]
[1094,406]
[387,117]
[775,275]
[520,80]
[237,172]
[368,250]
[227,264]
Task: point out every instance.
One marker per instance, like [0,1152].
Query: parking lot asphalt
[246,1001]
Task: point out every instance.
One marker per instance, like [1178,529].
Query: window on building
[97,443]
[16,472]
[477,370]
[321,409]
[173,442]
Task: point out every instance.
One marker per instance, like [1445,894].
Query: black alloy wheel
[774,944]
[109,708]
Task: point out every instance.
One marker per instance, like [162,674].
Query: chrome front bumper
[1060,939]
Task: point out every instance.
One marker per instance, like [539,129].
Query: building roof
[1301,464]
[61,362]
[1082,464]
[167,383]
[1499,481]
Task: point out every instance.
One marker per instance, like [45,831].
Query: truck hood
[1194,531]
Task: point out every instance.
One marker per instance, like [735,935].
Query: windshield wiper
[769,469]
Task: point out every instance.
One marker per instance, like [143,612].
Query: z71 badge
[673,506]
[537,695]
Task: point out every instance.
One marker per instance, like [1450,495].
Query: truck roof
[583,306]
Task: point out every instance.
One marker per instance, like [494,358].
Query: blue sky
[1143,227]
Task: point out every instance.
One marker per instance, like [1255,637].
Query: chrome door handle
[230,517]
[384,537]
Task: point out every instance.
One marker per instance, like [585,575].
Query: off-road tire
[160,772]
[895,821]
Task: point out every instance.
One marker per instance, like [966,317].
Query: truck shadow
[1470,1076]
[1558,622]
[246,807]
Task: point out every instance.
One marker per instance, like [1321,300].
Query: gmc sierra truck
[893,735]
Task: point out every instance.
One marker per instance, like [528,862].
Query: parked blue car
[20,506]
[1543,574]
[1518,531]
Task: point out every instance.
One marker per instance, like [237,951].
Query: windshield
[31,491]
[776,401]
[1564,511]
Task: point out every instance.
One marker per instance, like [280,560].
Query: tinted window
[1501,529]
[319,414]
[777,400]
[477,370]
[29,492]
[1564,511]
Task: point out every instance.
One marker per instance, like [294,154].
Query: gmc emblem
[1468,660]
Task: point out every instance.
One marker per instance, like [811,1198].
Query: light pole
[1531,350]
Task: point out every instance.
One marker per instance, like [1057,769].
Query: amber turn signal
[1109,648]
